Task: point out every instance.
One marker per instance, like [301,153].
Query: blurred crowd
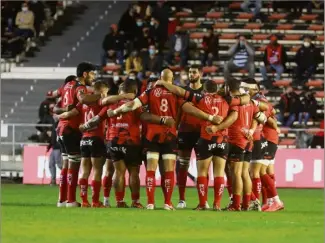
[149,36]
[21,20]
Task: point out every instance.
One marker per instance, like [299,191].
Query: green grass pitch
[29,215]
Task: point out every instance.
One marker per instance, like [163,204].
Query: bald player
[159,139]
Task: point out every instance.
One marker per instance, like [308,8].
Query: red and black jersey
[127,126]
[70,95]
[111,131]
[212,104]
[87,113]
[238,130]
[160,102]
[190,123]
[269,133]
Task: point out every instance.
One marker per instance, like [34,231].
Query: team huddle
[233,128]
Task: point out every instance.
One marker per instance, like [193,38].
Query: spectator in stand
[127,22]
[25,22]
[275,58]
[210,46]
[55,156]
[37,7]
[318,4]
[153,63]
[11,44]
[134,62]
[157,33]
[308,107]
[289,107]
[143,42]
[114,83]
[318,139]
[161,13]
[113,46]
[182,79]
[241,58]
[133,75]
[178,47]
[255,4]
[172,24]
[307,59]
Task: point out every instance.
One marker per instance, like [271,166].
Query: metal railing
[17,134]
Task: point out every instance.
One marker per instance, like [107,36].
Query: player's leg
[162,175]
[247,185]
[255,167]
[83,180]
[229,179]
[97,160]
[63,175]
[72,143]
[107,180]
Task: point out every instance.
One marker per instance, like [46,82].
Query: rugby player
[92,146]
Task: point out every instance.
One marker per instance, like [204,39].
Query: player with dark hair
[91,145]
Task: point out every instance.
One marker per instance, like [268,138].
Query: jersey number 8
[164,105]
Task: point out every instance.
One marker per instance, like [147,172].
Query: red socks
[229,186]
[269,184]
[256,187]
[63,185]
[107,185]
[246,200]
[219,184]
[181,181]
[72,184]
[83,183]
[162,184]
[264,195]
[236,201]
[150,186]
[95,186]
[119,196]
[169,186]
[135,196]
[202,190]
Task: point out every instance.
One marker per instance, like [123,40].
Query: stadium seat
[308,17]
[319,94]
[315,83]
[277,16]
[228,36]
[261,48]
[189,25]
[253,26]
[197,35]
[211,69]
[282,83]
[219,81]
[285,27]
[295,48]
[320,38]
[292,37]
[316,27]
[287,142]
[245,16]
[111,68]
[214,15]
[183,14]
[221,25]
[260,37]
[235,5]
[243,71]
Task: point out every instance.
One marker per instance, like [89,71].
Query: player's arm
[127,107]
[53,93]
[88,98]
[115,98]
[161,120]
[196,112]
[178,117]
[237,100]
[69,114]
[172,88]
[95,121]
[227,122]
[273,123]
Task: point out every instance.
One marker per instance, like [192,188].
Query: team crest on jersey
[207,100]
[158,92]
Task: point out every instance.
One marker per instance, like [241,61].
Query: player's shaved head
[210,86]
[167,75]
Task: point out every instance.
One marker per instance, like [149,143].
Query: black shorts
[71,140]
[248,156]
[130,154]
[62,147]
[258,150]
[270,150]
[187,140]
[108,150]
[161,148]
[205,149]
[236,154]
[92,147]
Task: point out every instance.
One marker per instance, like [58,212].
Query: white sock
[276,199]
